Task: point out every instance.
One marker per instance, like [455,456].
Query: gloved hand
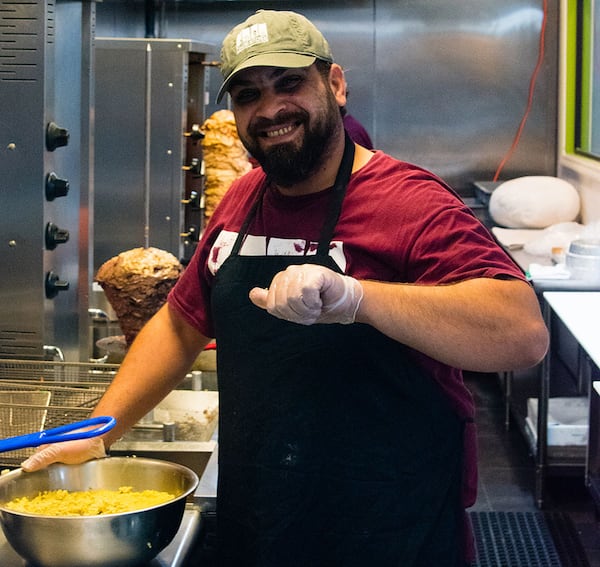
[68,452]
[310,293]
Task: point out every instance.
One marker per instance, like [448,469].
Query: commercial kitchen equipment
[150,99]
[49,393]
[37,395]
[559,375]
[45,129]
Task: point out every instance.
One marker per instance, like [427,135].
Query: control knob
[54,284]
[55,236]
[194,167]
[191,235]
[56,187]
[193,201]
[195,133]
[56,137]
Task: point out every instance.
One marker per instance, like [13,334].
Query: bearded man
[347,290]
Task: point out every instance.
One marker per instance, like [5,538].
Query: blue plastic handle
[100,424]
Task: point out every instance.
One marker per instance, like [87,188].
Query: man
[345,290]
[357,132]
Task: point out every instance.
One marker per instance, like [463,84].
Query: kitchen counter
[513,241]
[205,495]
[580,312]
[570,317]
[518,387]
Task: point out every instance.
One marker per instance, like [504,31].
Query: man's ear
[337,82]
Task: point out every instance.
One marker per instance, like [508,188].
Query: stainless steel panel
[26,48]
[452,84]
[41,67]
[442,83]
[143,86]
[67,319]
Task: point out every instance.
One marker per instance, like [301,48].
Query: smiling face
[289,119]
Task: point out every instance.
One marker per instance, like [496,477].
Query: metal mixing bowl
[111,540]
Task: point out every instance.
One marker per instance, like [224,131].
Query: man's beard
[287,164]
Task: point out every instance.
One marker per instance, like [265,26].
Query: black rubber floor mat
[513,539]
[566,540]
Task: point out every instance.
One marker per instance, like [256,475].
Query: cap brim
[285,60]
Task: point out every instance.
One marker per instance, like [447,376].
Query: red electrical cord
[532,82]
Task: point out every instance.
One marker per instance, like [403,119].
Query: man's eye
[290,82]
[244,95]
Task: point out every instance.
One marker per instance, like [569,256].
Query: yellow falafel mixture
[89,502]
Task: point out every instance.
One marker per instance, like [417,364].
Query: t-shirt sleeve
[403,224]
[455,246]
[191,297]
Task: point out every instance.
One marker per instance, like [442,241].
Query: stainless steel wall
[45,51]
[442,83]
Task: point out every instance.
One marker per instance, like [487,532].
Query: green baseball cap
[273,39]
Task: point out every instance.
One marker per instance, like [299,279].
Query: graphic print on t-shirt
[263,246]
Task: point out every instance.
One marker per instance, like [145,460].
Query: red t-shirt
[398,223]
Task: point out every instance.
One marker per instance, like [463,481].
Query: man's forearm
[157,361]
[484,324]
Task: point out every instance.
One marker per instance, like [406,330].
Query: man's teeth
[279,132]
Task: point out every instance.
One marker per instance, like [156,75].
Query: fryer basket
[37,395]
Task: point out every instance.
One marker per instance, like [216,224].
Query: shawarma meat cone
[136,284]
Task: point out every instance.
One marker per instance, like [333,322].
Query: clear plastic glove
[308,294]
[68,452]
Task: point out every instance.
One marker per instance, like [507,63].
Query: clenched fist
[310,293]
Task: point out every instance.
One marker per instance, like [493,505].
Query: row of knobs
[196,169]
[55,187]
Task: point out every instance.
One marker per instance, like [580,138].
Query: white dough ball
[534,202]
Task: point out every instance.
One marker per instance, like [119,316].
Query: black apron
[335,449]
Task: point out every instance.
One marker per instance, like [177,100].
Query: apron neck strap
[333,212]
[249,217]
[339,191]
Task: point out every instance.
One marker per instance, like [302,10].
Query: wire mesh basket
[36,395]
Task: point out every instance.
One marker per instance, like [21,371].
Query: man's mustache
[261,124]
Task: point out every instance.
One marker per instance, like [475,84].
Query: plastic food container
[583,259]
[567,420]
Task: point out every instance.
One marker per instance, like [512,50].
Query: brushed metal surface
[452,84]
[121,158]
[43,71]
[110,540]
[441,83]
[24,50]
[176,554]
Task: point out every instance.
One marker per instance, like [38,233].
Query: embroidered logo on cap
[250,36]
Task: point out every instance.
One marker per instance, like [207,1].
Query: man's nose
[270,105]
